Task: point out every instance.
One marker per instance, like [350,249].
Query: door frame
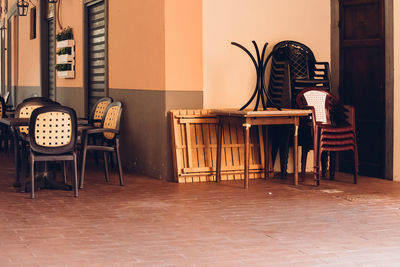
[44,46]
[86,4]
[389,73]
[3,58]
[12,14]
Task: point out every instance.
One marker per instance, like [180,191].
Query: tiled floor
[150,222]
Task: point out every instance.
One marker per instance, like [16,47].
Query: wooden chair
[333,129]
[109,131]
[52,138]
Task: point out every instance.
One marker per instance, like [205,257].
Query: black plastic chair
[53,131]
[21,134]
[293,68]
[5,134]
[109,131]
[38,99]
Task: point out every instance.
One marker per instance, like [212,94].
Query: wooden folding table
[248,118]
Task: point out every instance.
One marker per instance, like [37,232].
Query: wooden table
[248,118]
[13,123]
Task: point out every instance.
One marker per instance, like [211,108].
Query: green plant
[63,67]
[64,51]
[65,34]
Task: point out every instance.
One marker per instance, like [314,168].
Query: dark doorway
[362,80]
[96,48]
[51,58]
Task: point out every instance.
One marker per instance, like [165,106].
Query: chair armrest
[90,121]
[101,130]
[312,116]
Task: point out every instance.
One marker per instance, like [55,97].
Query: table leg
[266,153]
[246,155]
[219,151]
[17,182]
[295,156]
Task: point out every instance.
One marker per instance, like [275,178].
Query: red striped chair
[333,129]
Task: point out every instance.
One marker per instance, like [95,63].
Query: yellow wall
[136,45]
[71,15]
[183,45]
[229,76]
[396,100]
[29,62]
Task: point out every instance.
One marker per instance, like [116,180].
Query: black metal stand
[260,91]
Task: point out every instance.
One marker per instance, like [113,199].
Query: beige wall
[71,16]
[29,63]
[183,45]
[229,76]
[136,45]
[396,100]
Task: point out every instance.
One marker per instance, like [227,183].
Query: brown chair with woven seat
[333,129]
[52,138]
[110,140]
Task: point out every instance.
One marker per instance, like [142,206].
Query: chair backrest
[25,109]
[111,118]
[99,108]
[37,99]
[2,107]
[298,55]
[53,130]
[322,101]
[6,96]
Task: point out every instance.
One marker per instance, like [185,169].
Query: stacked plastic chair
[333,128]
[293,68]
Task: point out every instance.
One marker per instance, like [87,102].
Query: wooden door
[96,52]
[362,81]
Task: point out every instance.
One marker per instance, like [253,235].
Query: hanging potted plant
[65,38]
[65,70]
[65,54]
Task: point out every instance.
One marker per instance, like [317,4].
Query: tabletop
[15,121]
[262,113]
[25,121]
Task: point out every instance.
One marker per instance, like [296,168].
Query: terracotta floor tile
[150,222]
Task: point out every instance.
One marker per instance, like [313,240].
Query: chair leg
[316,153]
[324,163]
[83,161]
[65,171]
[23,162]
[355,163]
[75,179]
[32,177]
[304,154]
[332,165]
[105,155]
[121,181]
